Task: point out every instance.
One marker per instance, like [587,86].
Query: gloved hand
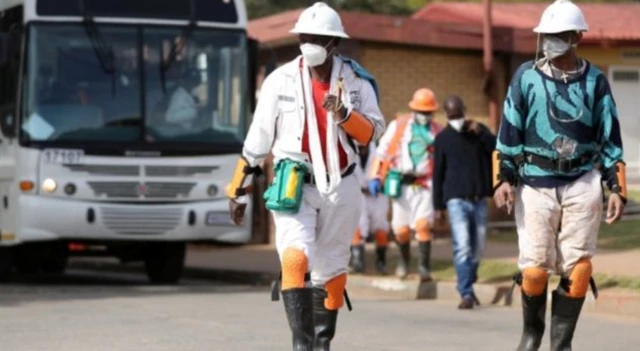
[374,187]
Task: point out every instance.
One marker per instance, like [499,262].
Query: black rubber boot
[533,314]
[298,304]
[424,264]
[357,258]
[325,321]
[565,311]
[402,270]
[381,260]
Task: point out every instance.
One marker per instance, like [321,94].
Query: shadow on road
[94,284]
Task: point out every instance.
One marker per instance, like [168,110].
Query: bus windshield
[144,94]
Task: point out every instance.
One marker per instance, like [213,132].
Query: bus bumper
[42,219]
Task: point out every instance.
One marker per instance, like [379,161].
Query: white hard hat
[562,16]
[319,19]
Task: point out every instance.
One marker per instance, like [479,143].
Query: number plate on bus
[63,156]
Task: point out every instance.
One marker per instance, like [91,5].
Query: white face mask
[554,47]
[422,118]
[313,54]
[457,123]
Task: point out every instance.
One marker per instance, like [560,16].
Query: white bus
[121,122]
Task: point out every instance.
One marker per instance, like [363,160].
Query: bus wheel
[56,260]
[28,258]
[164,262]
[5,264]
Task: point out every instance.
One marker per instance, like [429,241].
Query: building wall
[604,57]
[401,70]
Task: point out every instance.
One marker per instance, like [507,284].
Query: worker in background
[461,186]
[309,114]
[373,218]
[559,119]
[403,170]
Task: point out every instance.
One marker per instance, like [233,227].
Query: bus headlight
[49,185]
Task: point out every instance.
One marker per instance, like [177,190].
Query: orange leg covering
[534,281]
[382,238]
[294,266]
[580,277]
[423,231]
[403,234]
[335,292]
[357,238]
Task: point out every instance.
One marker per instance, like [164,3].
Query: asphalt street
[96,310]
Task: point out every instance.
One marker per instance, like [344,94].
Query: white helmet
[561,16]
[320,19]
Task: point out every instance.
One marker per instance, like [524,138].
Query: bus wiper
[104,51]
[186,36]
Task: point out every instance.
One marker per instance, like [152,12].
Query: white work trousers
[559,226]
[414,203]
[322,229]
[374,215]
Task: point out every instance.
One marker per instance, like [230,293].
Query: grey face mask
[555,47]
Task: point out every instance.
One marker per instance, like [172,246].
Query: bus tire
[57,259]
[164,262]
[5,264]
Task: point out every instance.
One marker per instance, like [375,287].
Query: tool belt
[310,179]
[561,165]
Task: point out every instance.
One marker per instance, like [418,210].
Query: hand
[333,103]
[505,196]
[614,209]
[236,211]
[439,216]
[374,187]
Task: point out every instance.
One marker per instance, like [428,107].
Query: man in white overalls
[373,219]
[311,111]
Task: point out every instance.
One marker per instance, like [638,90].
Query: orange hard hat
[424,100]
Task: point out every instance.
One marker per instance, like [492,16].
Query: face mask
[457,124]
[313,54]
[423,118]
[554,47]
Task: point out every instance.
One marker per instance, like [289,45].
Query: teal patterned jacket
[540,114]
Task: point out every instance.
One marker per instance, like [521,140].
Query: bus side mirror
[8,120]
[252,81]
[4,49]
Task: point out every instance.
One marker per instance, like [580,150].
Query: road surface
[96,310]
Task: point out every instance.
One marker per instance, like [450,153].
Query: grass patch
[624,235]
[494,271]
[634,195]
[490,271]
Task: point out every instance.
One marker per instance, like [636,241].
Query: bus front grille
[149,190]
[112,170]
[177,171]
[141,221]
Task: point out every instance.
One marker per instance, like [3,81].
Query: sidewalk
[258,264]
[263,258]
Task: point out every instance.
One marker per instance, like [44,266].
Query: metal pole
[490,87]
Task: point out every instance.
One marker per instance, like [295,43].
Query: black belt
[309,178]
[562,165]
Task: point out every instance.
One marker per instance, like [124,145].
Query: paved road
[97,311]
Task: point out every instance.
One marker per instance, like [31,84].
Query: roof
[273,31]
[606,21]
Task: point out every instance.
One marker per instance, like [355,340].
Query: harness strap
[275,290]
[564,282]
